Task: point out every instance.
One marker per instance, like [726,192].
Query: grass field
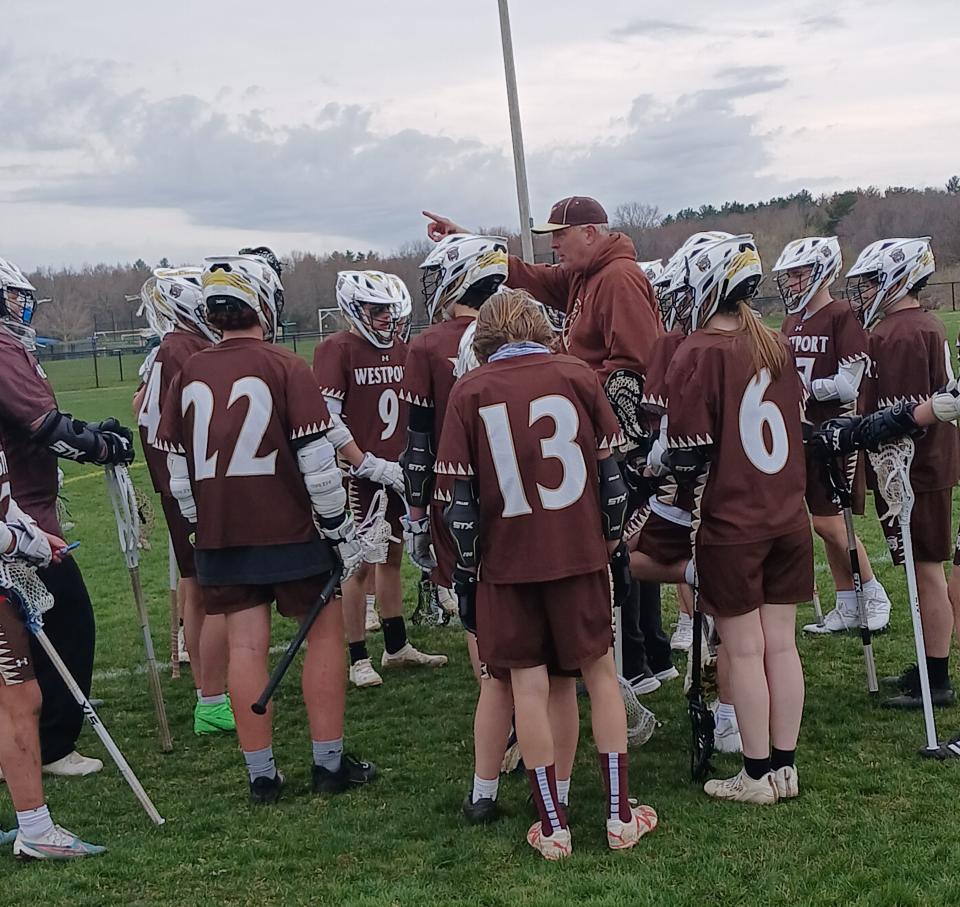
[874,824]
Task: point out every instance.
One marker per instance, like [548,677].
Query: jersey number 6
[755,414]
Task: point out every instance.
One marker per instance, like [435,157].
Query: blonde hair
[509,316]
[768,352]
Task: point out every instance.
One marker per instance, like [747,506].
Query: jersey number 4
[244,460]
[561,445]
[759,417]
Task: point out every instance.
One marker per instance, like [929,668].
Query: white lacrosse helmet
[375,303]
[236,280]
[724,271]
[173,296]
[18,297]
[653,269]
[664,287]
[885,272]
[821,254]
[460,262]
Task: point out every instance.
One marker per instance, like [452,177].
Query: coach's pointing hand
[441,226]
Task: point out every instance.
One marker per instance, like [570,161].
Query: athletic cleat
[726,736]
[183,656]
[373,619]
[644,683]
[878,611]
[940,697]
[624,835]
[787,780]
[408,656]
[73,765]
[483,812]
[839,620]
[682,638]
[551,847]
[908,680]
[266,791]
[8,837]
[352,773]
[56,844]
[213,719]
[362,674]
[666,674]
[948,750]
[741,788]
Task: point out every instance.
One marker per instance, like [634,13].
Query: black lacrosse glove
[620,571]
[888,424]
[640,486]
[835,437]
[119,449]
[113,426]
[465,585]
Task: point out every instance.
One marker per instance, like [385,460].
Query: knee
[831,529]
[21,701]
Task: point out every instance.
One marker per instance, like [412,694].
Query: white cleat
[551,847]
[56,844]
[409,657]
[787,781]
[624,835]
[373,619]
[726,736]
[73,765]
[682,638]
[839,620]
[183,656]
[741,788]
[878,611]
[362,674]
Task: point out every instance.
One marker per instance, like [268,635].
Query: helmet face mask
[885,272]
[806,266]
[18,304]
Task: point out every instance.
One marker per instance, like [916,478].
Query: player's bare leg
[397,651]
[372,621]
[206,639]
[354,608]
[492,721]
[786,685]
[473,653]
[646,569]
[682,638]
[953,591]
[726,734]
[565,725]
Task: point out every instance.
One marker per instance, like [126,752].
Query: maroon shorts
[737,579]
[181,534]
[16,664]
[562,623]
[361,492]
[819,493]
[930,527]
[661,540]
[294,598]
[442,547]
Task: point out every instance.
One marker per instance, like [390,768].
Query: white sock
[485,790]
[213,700]
[34,823]
[563,791]
[685,619]
[199,695]
[328,754]
[726,710]
[260,763]
[847,601]
[690,574]
[371,602]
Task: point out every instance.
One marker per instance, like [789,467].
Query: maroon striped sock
[613,767]
[543,783]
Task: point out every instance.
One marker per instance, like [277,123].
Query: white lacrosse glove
[419,544]
[946,403]
[344,537]
[655,458]
[32,545]
[380,471]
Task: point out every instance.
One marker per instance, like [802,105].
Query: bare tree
[636,216]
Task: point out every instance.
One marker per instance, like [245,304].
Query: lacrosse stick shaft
[98,728]
[153,673]
[174,614]
[260,706]
[865,635]
[817,607]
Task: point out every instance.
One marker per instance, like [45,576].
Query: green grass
[874,824]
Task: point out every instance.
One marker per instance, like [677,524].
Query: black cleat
[909,679]
[948,750]
[910,698]
[483,812]
[352,773]
[266,791]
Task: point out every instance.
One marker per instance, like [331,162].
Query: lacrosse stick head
[123,498]
[641,722]
[624,390]
[891,463]
[27,591]
[146,517]
[374,533]
[702,726]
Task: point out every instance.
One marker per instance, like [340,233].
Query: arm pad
[323,478]
[338,434]
[180,486]
[70,438]
[417,463]
[463,519]
[843,387]
[613,498]
[687,463]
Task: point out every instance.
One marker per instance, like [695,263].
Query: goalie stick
[624,390]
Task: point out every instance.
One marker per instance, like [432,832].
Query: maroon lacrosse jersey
[529,430]
[175,348]
[234,412]
[368,381]
[4,485]
[25,397]
[822,343]
[757,478]
[911,359]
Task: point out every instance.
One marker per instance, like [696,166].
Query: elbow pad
[323,479]
[180,486]
[72,439]
[687,463]
[843,387]
[463,520]
[417,463]
[613,498]
[338,434]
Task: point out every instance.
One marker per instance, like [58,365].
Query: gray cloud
[656,28]
[824,23]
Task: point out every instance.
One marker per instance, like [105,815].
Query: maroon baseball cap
[573,212]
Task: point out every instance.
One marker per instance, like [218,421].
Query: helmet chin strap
[22,332]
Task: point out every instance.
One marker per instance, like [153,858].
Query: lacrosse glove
[418,542]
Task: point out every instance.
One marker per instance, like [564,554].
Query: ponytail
[767,350]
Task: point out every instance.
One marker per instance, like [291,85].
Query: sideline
[114,673]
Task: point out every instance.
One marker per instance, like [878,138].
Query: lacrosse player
[734,435]
[360,373]
[911,359]
[36,837]
[34,433]
[244,425]
[830,350]
[172,296]
[538,506]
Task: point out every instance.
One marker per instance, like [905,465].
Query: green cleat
[213,719]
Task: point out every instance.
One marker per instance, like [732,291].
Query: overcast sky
[184,129]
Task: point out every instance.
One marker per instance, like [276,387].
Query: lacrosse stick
[624,390]
[817,608]
[123,499]
[429,610]
[34,599]
[174,613]
[892,467]
[260,706]
[841,493]
[373,533]
[641,722]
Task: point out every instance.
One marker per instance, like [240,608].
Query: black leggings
[644,642]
